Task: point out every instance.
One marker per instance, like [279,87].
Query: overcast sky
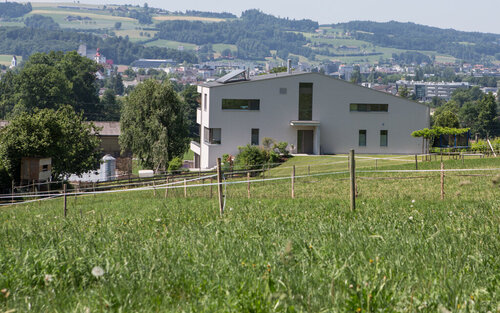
[476,15]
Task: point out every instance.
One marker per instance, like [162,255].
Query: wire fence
[377,177]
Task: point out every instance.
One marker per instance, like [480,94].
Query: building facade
[425,91]
[314,113]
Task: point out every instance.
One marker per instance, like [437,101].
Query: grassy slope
[271,253]
[5,59]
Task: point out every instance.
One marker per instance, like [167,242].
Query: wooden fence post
[308,170]
[211,187]
[185,188]
[219,187]
[352,170]
[65,207]
[166,188]
[416,162]
[376,164]
[12,192]
[442,181]
[293,182]
[248,184]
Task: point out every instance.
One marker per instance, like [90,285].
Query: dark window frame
[306,92]
[210,136]
[362,132]
[384,133]
[241,104]
[254,137]
[369,107]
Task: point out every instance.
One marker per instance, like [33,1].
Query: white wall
[331,98]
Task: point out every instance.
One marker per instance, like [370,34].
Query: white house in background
[314,113]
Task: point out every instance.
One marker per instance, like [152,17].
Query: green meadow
[402,250]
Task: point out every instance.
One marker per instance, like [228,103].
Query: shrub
[274,157]
[175,164]
[267,142]
[281,147]
[250,156]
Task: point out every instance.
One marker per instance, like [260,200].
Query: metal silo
[108,167]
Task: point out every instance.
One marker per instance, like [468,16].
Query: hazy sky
[476,15]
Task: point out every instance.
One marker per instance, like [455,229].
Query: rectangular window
[305,101]
[383,138]
[212,135]
[283,91]
[241,104]
[255,136]
[369,107]
[205,102]
[362,137]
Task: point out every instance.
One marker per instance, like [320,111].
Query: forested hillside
[26,41]
[14,9]
[462,45]
[254,34]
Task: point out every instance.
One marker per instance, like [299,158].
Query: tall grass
[403,250]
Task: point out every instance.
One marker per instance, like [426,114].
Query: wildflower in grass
[411,218]
[97,271]
[158,219]
[6,293]
[371,260]
[413,201]
[48,278]
[358,310]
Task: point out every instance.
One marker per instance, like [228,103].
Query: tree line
[49,100]
[469,46]
[13,9]
[469,108]
[254,34]
[25,41]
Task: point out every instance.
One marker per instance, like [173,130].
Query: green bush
[250,156]
[274,157]
[281,147]
[175,164]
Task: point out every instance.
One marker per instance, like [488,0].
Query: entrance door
[305,140]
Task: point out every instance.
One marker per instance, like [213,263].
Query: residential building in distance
[425,91]
[151,63]
[314,113]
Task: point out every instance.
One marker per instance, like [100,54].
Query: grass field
[403,250]
[186,18]
[170,44]
[5,59]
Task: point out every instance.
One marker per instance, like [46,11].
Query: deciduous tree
[62,135]
[154,124]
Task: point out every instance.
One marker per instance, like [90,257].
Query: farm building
[36,169]
[109,133]
[314,113]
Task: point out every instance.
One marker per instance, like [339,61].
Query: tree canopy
[62,135]
[48,81]
[154,124]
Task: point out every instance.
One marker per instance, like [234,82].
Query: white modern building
[314,113]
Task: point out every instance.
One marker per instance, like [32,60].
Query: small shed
[36,169]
